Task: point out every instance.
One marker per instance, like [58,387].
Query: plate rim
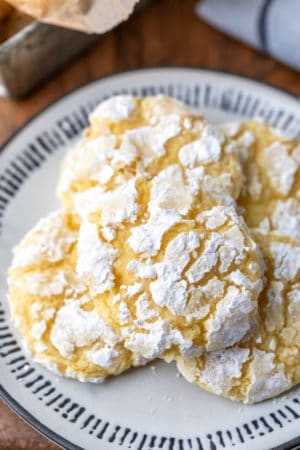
[11,402]
[34,423]
[141,69]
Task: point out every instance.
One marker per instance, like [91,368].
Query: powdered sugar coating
[281,167]
[50,242]
[266,379]
[231,320]
[286,259]
[115,206]
[221,367]
[45,285]
[146,238]
[286,218]
[169,192]
[149,142]
[53,307]
[88,159]
[75,327]
[266,363]
[115,108]
[95,259]
[205,150]
[103,357]
[143,308]
[159,338]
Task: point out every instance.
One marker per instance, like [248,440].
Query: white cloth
[269,25]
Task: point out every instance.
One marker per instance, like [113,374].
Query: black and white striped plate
[149,408]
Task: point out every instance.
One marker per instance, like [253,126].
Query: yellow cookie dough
[170,263]
[53,309]
[267,363]
[271,164]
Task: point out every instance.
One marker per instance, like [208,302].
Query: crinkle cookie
[53,309]
[271,163]
[174,289]
[132,137]
[267,363]
[270,200]
[172,265]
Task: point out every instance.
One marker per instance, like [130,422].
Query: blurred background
[40,62]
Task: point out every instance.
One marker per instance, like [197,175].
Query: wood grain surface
[167,33]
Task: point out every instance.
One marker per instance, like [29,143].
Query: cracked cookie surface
[53,309]
[267,362]
[153,190]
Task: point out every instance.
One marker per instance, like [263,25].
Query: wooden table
[167,33]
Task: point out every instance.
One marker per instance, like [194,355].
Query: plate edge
[142,69]
[34,423]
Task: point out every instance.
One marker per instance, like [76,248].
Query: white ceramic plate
[150,407]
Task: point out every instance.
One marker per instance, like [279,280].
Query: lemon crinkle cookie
[266,363]
[160,244]
[53,309]
[130,137]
